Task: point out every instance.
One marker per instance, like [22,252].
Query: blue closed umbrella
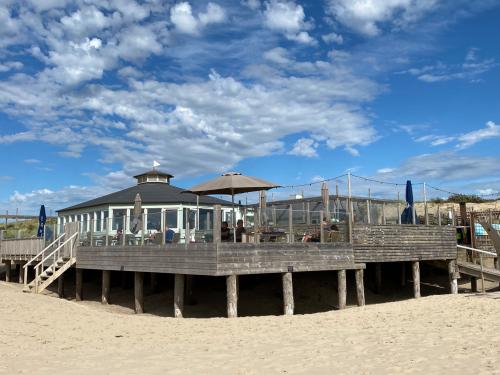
[42,218]
[407,215]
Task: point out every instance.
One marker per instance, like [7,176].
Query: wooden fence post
[288,303]
[291,235]
[217,224]
[453,277]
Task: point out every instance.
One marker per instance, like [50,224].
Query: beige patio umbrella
[231,183]
[136,224]
[325,197]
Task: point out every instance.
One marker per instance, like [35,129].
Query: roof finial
[155,164]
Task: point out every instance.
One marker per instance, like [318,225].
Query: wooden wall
[20,249]
[396,243]
[219,259]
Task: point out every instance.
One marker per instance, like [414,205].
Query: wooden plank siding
[20,249]
[397,243]
[219,259]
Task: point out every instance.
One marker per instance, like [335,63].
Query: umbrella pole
[232,218]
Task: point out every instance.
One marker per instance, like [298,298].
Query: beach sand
[42,334]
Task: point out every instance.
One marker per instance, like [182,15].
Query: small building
[162,205]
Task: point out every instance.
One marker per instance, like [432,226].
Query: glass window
[206,219]
[192,218]
[171,218]
[105,221]
[98,221]
[118,218]
[154,219]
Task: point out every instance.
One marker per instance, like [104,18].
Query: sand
[445,333]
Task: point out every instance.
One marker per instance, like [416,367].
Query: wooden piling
[453,277]
[79,285]
[8,265]
[360,288]
[139,292]
[473,284]
[106,285]
[416,278]
[179,296]
[232,296]
[378,277]
[342,288]
[20,275]
[288,303]
[60,286]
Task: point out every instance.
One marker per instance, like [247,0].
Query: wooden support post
[60,286]
[360,287]
[439,215]
[453,277]
[416,278]
[106,285]
[342,288]
[308,213]
[403,273]
[321,228]
[288,303]
[217,223]
[473,284]
[139,292]
[232,296]
[79,285]
[290,224]
[378,277]
[124,229]
[8,265]
[384,219]
[368,214]
[399,210]
[20,275]
[179,295]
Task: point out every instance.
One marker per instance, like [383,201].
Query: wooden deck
[219,259]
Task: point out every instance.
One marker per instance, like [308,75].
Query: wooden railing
[20,248]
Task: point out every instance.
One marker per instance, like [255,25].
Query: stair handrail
[481,252]
[40,264]
[45,249]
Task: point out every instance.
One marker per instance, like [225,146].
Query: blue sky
[91,92]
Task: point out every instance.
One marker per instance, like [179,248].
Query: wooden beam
[360,288]
[139,292]
[473,284]
[415,266]
[60,286]
[453,277]
[342,288]
[232,296]
[288,303]
[106,285]
[179,296]
[79,285]
[20,275]
[8,265]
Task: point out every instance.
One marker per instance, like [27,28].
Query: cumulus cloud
[186,22]
[305,147]
[288,18]
[333,38]
[278,55]
[491,130]
[368,16]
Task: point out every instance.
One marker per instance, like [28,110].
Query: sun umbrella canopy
[42,218]
[136,224]
[407,215]
[231,183]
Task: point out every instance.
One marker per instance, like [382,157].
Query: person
[240,229]
[169,235]
[225,232]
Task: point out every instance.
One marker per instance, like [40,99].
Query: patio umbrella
[136,224]
[325,196]
[231,183]
[407,215]
[42,218]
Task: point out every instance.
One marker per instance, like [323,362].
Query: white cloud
[435,140]
[368,16]
[278,55]
[32,161]
[333,38]
[491,130]
[385,170]
[10,65]
[252,4]
[288,18]
[186,22]
[305,147]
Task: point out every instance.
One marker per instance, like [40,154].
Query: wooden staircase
[52,261]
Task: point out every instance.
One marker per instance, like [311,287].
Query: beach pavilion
[163,205]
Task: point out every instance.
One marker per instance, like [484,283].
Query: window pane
[171,218]
[154,219]
[118,218]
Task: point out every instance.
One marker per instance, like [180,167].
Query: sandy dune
[460,334]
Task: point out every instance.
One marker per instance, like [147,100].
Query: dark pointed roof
[154,172]
[151,193]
